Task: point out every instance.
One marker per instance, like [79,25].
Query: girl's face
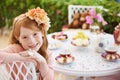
[30,39]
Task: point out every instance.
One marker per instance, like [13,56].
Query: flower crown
[39,15]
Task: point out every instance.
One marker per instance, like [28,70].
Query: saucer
[111,49]
[109,56]
[60,36]
[65,58]
[80,43]
[54,44]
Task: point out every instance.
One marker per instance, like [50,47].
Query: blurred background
[57,11]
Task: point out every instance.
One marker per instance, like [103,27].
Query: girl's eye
[24,37]
[34,34]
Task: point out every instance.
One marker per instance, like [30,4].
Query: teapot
[100,42]
[116,34]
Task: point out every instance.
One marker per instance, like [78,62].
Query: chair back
[72,9]
[18,71]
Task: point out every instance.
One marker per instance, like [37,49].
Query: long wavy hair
[23,21]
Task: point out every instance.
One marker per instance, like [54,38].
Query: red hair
[24,21]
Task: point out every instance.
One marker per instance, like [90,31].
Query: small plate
[60,36]
[65,59]
[85,44]
[54,46]
[111,57]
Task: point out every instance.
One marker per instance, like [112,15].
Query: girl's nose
[31,40]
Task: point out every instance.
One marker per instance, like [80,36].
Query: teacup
[111,49]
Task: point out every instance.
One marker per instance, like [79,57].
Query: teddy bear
[79,21]
[84,25]
[75,23]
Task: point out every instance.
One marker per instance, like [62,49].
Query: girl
[28,42]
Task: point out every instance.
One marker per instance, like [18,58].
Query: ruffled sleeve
[13,48]
[50,73]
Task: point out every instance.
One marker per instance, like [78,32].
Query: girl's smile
[30,39]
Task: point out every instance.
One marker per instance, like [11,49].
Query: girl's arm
[7,54]
[11,57]
[44,67]
[11,53]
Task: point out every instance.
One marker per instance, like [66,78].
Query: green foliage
[111,15]
[112,21]
[57,11]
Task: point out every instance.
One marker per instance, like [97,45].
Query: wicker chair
[72,9]
[18,71]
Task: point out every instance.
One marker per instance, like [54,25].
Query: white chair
[18,71]
[72,9]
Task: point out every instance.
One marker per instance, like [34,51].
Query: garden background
[57,11]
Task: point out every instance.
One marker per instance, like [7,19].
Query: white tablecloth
[87,62]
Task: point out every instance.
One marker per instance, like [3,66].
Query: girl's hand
[31,54]
[27,54]
[36,55]
[15,57]
[41,62]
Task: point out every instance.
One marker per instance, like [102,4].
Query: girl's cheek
[41,40]
[38,39]
[25,44]
[26,41]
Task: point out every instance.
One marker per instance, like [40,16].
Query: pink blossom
[99,17]
[95,17]
[61,33]
[92,12]
[89,20]
[104,22]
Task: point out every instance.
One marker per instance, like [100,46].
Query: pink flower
[89,20]
[99,17]
[104,23]
[95,17]
[92,12]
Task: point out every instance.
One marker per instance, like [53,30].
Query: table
[88,62]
